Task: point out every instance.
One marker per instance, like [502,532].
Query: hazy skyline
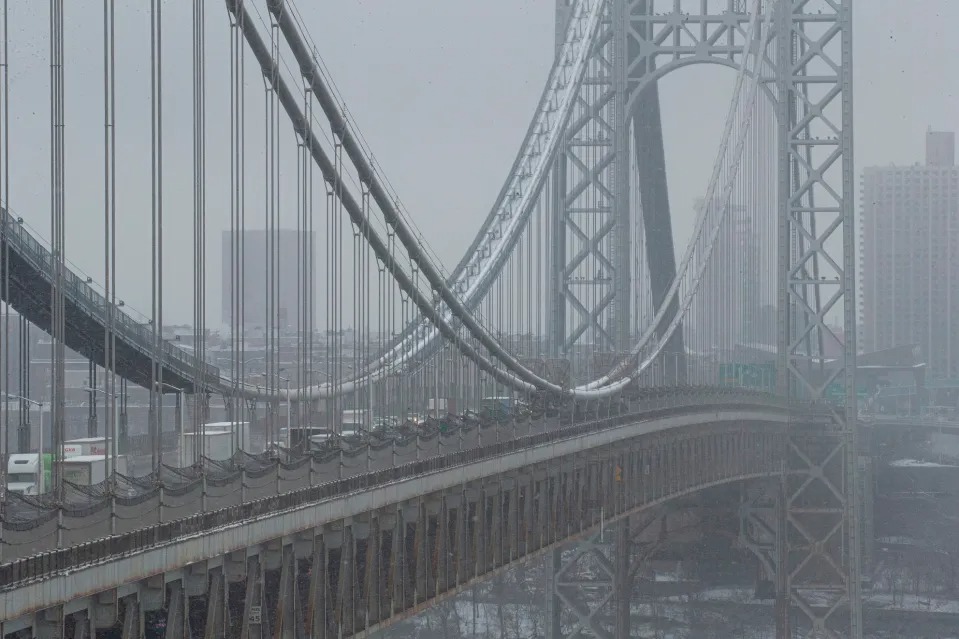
[443,93]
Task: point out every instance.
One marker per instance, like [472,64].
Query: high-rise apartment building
[909,255]
[940,148]
[289,250]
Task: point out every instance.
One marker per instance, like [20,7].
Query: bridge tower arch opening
[808,57]
[613,148]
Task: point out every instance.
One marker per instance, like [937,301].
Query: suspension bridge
[567,375]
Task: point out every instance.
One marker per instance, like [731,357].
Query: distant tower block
[940,148]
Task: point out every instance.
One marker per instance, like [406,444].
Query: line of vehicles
[87,461]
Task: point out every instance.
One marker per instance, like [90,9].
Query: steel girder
[590,290]
[819,530]
[810,77]
[592,583]
[593,289]
[368,571]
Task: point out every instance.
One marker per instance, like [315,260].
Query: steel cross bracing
[819,534]
[617,110]
[385,560]
[591,585]
[808,74]
[591,221]
[617,113]
[665,35]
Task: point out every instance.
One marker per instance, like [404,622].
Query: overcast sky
[443,92]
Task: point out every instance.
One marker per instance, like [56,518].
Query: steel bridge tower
[592,292]
[809,76]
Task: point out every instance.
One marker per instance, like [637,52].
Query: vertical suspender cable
[234,369]
[298,322]
[109,228]
[272,250]
[310,256]
[269,347]
[240,69]
[199,224]
[58,237]
[5,447]
[237,221]
[156,165]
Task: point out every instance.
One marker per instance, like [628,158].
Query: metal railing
[44,564]
[85,296]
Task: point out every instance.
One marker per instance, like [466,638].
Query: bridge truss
[807,72]
[574,262]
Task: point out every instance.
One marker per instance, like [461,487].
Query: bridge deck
[537,490]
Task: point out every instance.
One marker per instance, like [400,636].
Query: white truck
[87,446]
[23,473]
[86,470]
[213,443]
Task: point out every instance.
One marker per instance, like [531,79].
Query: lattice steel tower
[808,62]
[617,112]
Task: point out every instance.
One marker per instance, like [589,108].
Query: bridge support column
[360,533]
[591,584]
[449,549]
[132,618]
[553,603]
[254,624]
[103,610]
[319,590]
[511,490]
[471,509]
[527,485]
[496,526]
[152,594]
[48,624]
[346,588]
[217,611]
[235,567]
[196,579]
[385,524]
[461,538]
[398,567]
[288,618]
[443,547]
[759,512]
[375,574]
[81,625]
[541,525]
[483,546]
[416,514]
[177,618]
[622,583]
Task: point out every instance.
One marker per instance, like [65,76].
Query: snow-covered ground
[516,609]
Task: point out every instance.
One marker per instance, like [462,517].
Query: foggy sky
[443,92]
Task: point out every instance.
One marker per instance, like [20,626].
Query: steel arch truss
[819,533]
[617,111]
[665,35]
[591,203]
[592,585]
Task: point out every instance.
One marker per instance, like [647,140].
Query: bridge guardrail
[918,420]
[93,303]
[43,564]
